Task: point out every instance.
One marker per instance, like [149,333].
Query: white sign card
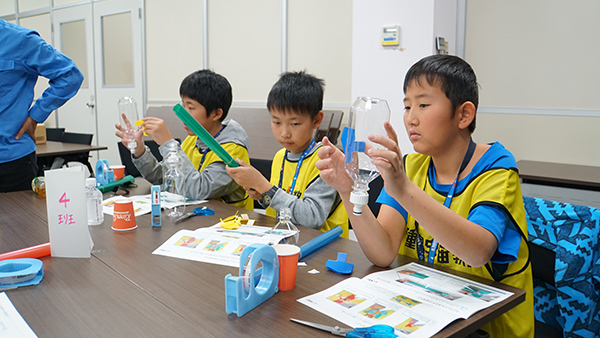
[67,213]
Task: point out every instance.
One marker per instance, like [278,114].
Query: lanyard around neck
[205,151]
[304,153]
[447,202]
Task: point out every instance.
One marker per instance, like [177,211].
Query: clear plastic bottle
[173,200]
[367,116]
[95,214]
[284,224]
[38,185]
[129,117]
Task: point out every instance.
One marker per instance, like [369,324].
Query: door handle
[90,104]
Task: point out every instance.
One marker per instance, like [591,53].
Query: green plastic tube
[110,186]
[207,138]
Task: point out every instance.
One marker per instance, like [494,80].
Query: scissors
[205,211]
[375,331]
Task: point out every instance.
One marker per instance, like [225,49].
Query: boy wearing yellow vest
[454,203]
[207,96]
[295,103]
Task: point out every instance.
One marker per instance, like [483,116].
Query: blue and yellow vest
[308,173]
[235,150]
[498,187]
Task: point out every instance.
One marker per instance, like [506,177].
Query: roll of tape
[20,272]
[103,172]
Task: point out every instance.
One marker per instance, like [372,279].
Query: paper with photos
[416,300]
[217,245]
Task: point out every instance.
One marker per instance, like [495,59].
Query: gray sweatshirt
[212,182]
[313,209]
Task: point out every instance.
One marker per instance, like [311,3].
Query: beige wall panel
[244,45]
[535,54]
[28,5]
[561,139]
[58,3]
[173,45]
[320,41]
[7,7]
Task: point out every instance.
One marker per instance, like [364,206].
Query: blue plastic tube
[320,241]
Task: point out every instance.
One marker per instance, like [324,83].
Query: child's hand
[249,177]
[140,148]
[255,195]
[388,160]
[331,165]
[156,128]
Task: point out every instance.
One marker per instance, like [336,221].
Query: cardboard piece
[40,134]
[67,213]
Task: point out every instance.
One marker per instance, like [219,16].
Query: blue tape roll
[20,272]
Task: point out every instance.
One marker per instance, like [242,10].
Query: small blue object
[19,272]
[240,298]
[340,266]
[104,175]
[155,197]
[203,211]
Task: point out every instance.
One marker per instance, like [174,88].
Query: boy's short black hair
[210,89]
[455,76]
[299,92]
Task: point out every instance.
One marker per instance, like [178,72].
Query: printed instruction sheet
[217,245]
[416,300]
[12,325]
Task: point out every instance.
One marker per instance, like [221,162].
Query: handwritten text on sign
[67,213]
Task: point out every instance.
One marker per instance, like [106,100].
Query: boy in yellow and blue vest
[454,203]
[295,103]
[207,96]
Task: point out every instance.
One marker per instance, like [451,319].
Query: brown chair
[324,127]
[334,127]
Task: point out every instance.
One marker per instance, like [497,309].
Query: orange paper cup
[123,216]
[118,171]
[288,265]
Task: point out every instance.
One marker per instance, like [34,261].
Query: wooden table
[52,148]
[124,290]
[68,151]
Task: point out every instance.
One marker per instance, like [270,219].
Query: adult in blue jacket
[24,56]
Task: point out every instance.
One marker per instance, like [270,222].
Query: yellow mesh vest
[499,187]
[308,172]
[235,150]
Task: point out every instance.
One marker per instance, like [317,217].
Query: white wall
[244,44]
[537,65]
[379,71]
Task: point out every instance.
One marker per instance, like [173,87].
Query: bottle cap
[90,182]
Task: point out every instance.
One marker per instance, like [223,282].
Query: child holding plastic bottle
[295,103]
[207,96]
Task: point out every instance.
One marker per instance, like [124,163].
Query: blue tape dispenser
[246,292]
[104,175]
[19,272]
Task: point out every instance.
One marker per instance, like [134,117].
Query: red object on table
[36,251]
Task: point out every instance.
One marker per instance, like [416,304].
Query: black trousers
[17,175]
